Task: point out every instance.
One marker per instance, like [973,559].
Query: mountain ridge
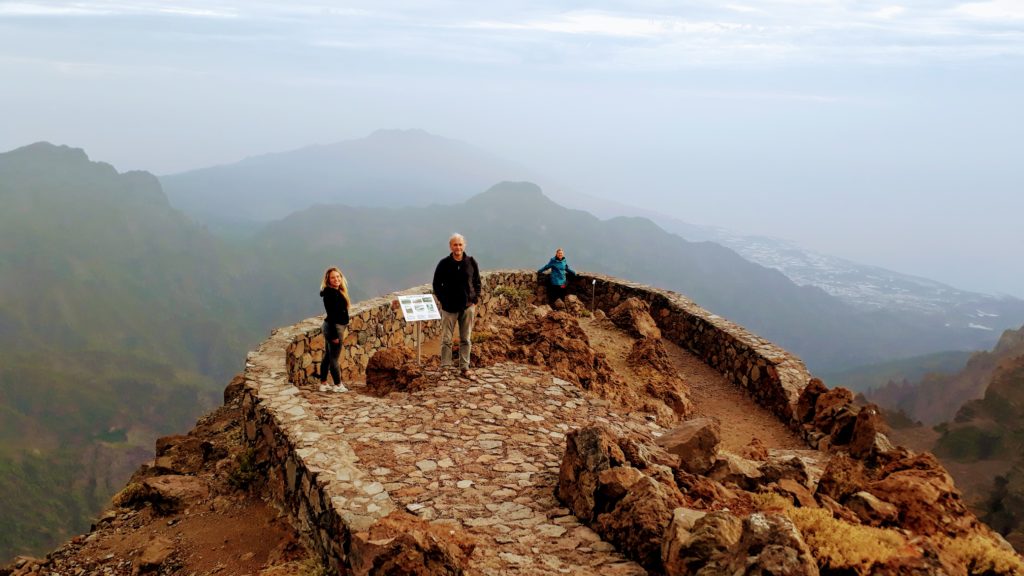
[271,186]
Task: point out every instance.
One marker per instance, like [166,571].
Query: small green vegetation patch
[247,470]
[516,295]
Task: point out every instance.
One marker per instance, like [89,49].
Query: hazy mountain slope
[937,397]
[387,168]
[863,286]
[997,418]
[515,225]
[903,370]
[118,322]
[983,445]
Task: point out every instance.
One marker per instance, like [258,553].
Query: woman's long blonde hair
[344,282]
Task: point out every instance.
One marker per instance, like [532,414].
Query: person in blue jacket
[560,271]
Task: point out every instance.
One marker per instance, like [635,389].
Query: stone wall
[377,324]
[311,469]
[769,374]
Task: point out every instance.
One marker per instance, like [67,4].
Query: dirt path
[712,395]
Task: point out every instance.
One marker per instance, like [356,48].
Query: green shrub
[247,471]
[517,296]
[968,444]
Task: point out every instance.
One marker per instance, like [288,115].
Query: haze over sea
[886,133]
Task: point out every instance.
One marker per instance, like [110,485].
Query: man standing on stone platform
[457,287]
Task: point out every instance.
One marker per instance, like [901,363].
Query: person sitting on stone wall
[559,278]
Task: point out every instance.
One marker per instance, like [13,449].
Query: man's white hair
[457,236]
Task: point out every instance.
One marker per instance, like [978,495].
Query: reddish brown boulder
[868,433]
[701,490]
[924,493]
[153,556]
[575,306]
[732,469]
[797,493]
[703,544]
[642,455]
[838,510]
[843,421]
[184,455]
[788,467]
[637,524]
[401,543]
[695,442]
[828,406]
[634,316]
[588,452]
[234,389]
[612,486]
[871,510]
[771,544]
[671,391]
[491,344]
[557,341]
[394,370]
[650,354]
[809,399]
[167,494]
[842,477]
[755,450]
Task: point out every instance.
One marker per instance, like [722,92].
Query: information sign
[418,307]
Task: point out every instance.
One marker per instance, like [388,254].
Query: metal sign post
[417,307]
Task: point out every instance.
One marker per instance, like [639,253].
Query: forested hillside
[119,321]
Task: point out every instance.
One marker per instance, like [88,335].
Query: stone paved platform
[483,455]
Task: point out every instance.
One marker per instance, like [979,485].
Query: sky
[889,133]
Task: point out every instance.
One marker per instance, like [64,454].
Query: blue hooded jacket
[558,268]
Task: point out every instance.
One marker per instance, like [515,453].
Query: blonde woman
[334,291]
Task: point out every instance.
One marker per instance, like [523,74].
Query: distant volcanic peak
[517,191]
[403,134]
[48,150]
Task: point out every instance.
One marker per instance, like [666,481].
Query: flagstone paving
[484,455]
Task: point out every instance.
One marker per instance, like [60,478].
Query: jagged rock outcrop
[588,453]
[695,442]
[649,358]
[556,340]
[815,524]
[401,543]
[394,370]
[634,316]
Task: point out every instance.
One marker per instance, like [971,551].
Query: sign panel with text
[416,307]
